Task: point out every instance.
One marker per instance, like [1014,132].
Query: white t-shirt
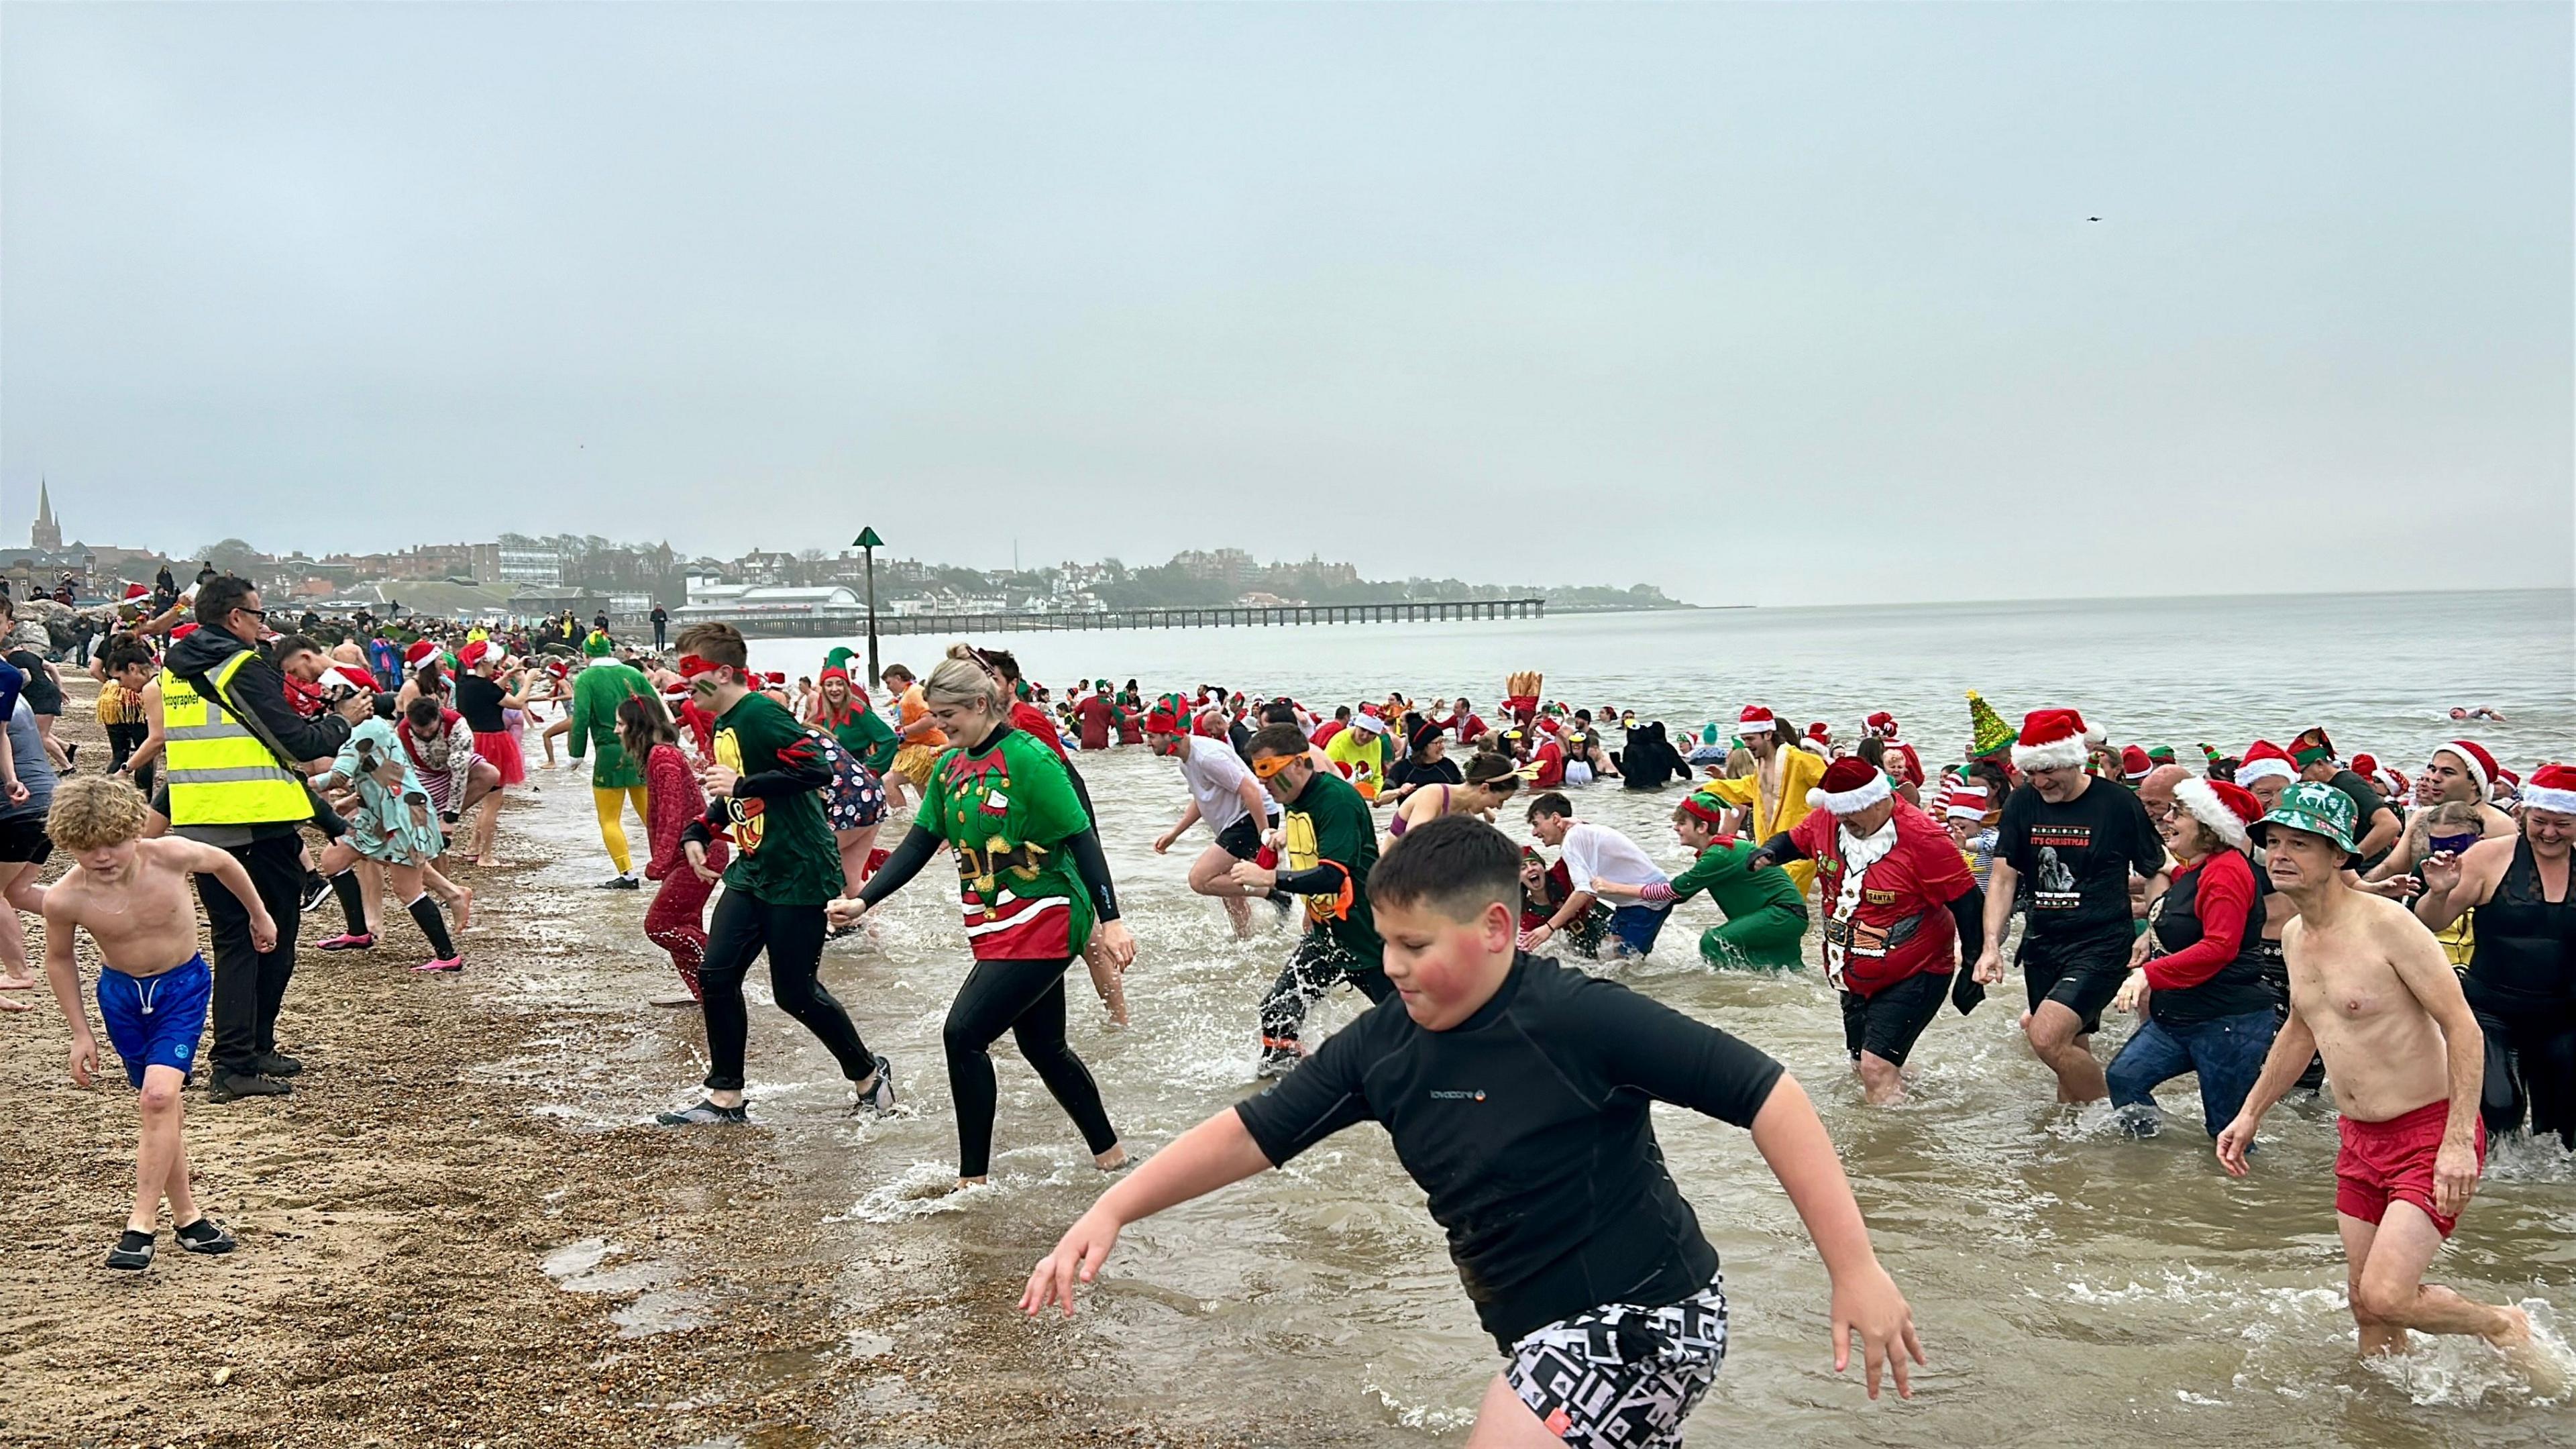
[1215,774]
[1597,852]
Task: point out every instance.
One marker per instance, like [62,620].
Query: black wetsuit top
[1527,1124]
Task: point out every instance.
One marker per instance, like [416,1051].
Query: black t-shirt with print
[2075,859]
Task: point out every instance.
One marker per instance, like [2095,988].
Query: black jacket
[259,693]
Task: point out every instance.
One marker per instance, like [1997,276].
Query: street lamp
[867,544]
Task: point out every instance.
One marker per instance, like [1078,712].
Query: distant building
[753,604]
[46,533]
[1224,565]
[528,562]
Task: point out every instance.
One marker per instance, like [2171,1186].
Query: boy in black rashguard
[1517,1093]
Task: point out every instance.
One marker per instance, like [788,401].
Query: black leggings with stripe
[1026,999]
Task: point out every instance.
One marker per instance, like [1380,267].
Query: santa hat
[2051,739]
[1882,724]
[2508,785]
[472,654]
[2227,809]
[1818,731]
[2265,760]
[137,591]
[2134,764]
[1755,720]
[182,632]
[350,676]
[2475,756]
[2552,788]
[1964,800]
[1851,785]
[420,649]
[1991,736]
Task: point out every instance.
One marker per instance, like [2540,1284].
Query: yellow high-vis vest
[219,772]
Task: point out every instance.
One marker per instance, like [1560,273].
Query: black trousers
[1317,965]
[1026,999]
[744,926]
[250,984]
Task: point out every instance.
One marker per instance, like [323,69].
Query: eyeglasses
[1268,767]
[259,614]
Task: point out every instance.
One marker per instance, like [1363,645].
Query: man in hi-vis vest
[235,752]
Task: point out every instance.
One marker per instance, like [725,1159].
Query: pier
[838,623]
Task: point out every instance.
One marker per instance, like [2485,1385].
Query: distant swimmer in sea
[2483,711]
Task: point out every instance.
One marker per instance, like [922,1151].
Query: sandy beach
[425,1260]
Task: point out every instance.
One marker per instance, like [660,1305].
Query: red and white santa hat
[2135,764]
[1819,731]
[1882,724]
[420,649]
[1754,720]
[2265,760]
[1851,785]
[137,591]
[1964,800]
[2051,739]
[349,676]
[2475,756]
[2552,788]
[2227,809]
[472,654]
[182,632]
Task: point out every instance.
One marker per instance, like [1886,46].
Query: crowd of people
[2272,918]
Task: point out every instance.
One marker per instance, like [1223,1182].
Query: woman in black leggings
[1032,882]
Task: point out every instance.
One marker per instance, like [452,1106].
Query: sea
[2072,1286]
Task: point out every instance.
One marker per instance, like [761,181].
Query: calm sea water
[2073,1287]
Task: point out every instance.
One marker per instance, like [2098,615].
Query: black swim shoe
[1277,1062]
[275,1064]
[626,882]
[133,1251]
[316,891]
[706,1113]
[878,1097]
[228,1085]
[205,1235]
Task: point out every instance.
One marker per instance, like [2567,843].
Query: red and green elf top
[1007,810]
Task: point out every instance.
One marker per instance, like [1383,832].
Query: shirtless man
[133,897]
[2461,770]
[2372,992]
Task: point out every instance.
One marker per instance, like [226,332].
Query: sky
[1756,303]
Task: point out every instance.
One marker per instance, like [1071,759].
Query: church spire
[47,533]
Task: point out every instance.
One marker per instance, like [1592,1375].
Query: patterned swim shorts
[1622,1376]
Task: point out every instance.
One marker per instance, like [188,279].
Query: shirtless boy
[133,897]
[2370,990]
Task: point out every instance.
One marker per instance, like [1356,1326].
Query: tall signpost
[867,544]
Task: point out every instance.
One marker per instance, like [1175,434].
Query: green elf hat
[2314,808]
[2161,754]
[839,658]
[2311,748]
[596,645]
[1990,736]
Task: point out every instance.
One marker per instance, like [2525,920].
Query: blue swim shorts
[156,1020]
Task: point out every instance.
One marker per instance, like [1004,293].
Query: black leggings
[1026,999]
[743,925]
[2531,1071]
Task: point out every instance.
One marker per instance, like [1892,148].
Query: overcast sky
[1757,303]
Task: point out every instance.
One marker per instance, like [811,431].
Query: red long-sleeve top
[673,793]
[2225,897]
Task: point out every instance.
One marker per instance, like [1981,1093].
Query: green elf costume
[615,779]
[1766,919]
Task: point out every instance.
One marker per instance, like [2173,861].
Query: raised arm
[1209,1156]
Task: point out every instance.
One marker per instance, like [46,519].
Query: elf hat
[1964,800]
[1991,736]
[1705,808]
[1851,785]
[2552,788]
[2226,809]
[2160,755]
[830,673]
[2311,748]
[2265,760]
[1882,724]
[1162,722]
[2474,755]
[2051,739]
[597,645]
[2134,764]
[1755,720]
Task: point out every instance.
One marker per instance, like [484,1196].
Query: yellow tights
[612,821]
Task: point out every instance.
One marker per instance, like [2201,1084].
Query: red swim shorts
[2392,1161]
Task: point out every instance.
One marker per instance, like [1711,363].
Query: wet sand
[425,1259]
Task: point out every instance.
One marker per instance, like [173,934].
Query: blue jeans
[2227,1053]
[1636,927]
